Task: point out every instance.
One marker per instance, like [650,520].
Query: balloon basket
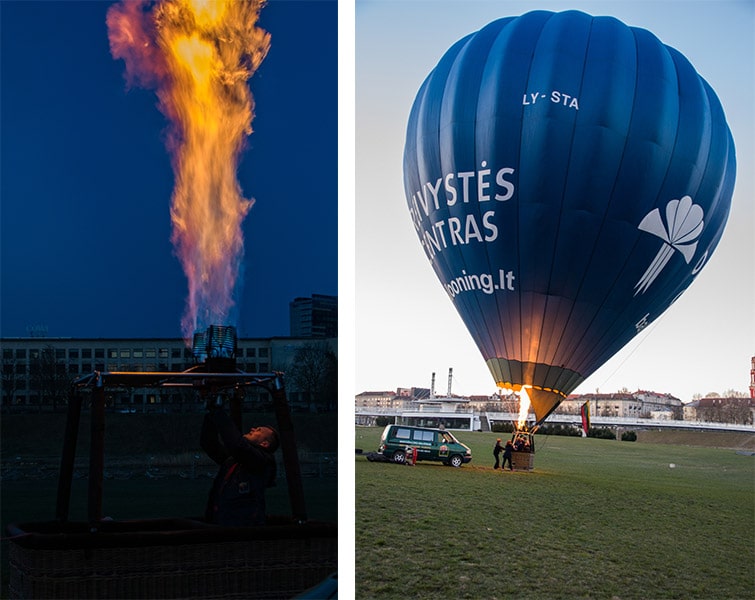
[169,558]
[523,455]
[522,461]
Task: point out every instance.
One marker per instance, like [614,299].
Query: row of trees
[729,412]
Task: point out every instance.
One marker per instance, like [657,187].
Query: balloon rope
[640,341]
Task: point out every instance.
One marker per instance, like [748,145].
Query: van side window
[447,437]
[424,436]
[405,434]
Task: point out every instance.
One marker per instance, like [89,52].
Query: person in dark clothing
[247,467]
[507,455]
[497,449]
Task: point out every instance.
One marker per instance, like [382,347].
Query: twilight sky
[406,326]
[86,180]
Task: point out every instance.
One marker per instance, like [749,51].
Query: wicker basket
[169,558]
[522,461]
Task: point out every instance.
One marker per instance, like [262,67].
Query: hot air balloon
[568,177]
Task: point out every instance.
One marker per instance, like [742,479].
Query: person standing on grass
[507,455]
[247,467]
[497,449]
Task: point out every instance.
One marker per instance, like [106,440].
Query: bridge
[470,420]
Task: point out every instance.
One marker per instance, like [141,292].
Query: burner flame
[524,409]
[199,55]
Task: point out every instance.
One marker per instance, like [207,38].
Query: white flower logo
[684,224]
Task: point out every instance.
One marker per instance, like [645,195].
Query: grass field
[595,519]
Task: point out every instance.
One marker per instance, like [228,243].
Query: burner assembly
[215,374]
[216,348]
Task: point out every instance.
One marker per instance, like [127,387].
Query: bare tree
[11,380]
[49,378]
[727,412]
[314,373]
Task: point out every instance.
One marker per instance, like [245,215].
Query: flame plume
[524,409]
[198,55]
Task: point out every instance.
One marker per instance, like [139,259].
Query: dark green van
[431,444]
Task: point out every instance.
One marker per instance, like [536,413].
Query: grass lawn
[595,519]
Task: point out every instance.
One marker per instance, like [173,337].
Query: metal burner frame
[206,383]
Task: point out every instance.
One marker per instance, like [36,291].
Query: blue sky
[86,180]
[406,327]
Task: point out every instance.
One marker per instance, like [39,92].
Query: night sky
[86,181]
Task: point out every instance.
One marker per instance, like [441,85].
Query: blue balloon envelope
[568,177]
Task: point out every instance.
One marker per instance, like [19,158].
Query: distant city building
[640,404]
[422,406]
[413,393]
[316,316]
[381,399]
[38,371]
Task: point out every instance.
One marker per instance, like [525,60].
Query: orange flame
[524,408]
[199,55]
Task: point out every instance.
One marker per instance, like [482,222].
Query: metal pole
[68,455]
[235,408]
[288,447]
[96,455]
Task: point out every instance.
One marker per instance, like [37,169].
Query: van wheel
[455,461]
[399,457]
